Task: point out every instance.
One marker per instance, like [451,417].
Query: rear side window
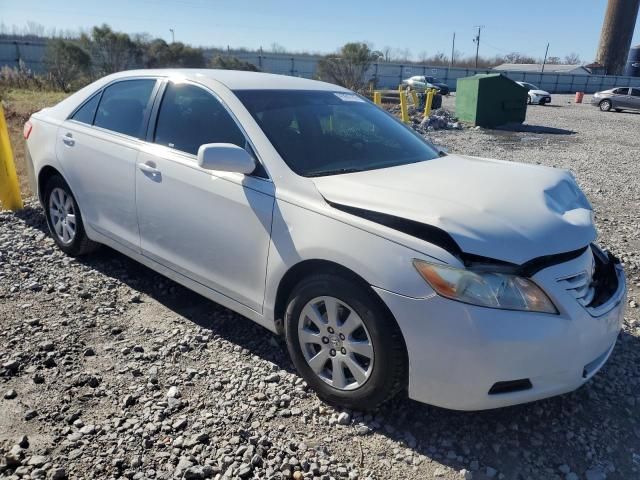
[123,106]
[190,116]
[86,113]
[635,92]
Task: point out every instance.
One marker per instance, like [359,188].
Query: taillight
[26,131]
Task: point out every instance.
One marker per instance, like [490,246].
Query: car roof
[236,79]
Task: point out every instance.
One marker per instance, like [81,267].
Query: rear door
[98,147]
[634,98]
[213,227]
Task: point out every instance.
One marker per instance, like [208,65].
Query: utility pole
[173,35]
[477,42]
[453,49]
[544,62]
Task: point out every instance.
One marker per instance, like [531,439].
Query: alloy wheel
[335,343]
[62,215]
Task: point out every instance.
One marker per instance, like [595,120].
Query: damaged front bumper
[466,357]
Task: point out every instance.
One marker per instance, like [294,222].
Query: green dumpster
[489,100]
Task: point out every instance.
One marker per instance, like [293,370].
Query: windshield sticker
[349,97]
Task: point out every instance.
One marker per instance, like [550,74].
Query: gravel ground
[109,370]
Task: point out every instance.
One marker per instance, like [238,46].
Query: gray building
[548,68]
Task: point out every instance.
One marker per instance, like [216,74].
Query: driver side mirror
[225,157]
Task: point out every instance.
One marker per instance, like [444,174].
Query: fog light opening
[510,386]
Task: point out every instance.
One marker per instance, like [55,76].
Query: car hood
[539,92]
[502,210]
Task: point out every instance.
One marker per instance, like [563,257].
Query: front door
[213,227]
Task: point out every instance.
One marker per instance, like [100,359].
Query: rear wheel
[344,342]
[605,105]
[64,219]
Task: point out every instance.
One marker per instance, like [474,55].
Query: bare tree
[111,51]
[386,53]
[67,63]
[277,48]
[572,59]
[349,66]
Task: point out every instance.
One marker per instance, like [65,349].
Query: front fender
[300,234]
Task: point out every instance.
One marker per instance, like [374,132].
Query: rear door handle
[147,168]
[68,140]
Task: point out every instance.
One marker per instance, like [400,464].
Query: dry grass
[18,107]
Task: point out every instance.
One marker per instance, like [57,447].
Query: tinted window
[86,113]
[190,116]
[123,106]
[621,91]
[635,92]
[324,133]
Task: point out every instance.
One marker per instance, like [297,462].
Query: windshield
[325,133]
[530,86]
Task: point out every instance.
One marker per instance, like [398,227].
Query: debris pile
[440,119]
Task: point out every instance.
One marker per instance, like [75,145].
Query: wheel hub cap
[62,215]
[335,343]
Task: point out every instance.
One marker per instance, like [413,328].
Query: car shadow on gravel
[527,128]
[592,428]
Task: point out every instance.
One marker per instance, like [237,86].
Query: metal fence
[390,75]
[385,75]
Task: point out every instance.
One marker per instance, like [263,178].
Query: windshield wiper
[336,171]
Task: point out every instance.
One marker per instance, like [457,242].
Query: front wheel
[344,342]
[605,105]
[64,219]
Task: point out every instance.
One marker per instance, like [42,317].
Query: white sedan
[388,266]
[536,96]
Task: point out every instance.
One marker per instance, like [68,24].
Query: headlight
[486,289]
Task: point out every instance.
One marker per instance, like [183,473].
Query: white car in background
[536,96]
[389,266]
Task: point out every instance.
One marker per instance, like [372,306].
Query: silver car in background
[618,99]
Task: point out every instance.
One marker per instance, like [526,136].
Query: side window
[86,113]
[190,116]
[123,106]
[635,92]
[621,91]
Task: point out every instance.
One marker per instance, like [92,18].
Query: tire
[380,341]
[60,206]
[529,102]
[605,105]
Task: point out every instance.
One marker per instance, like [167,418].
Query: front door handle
[148,168]
[68,140]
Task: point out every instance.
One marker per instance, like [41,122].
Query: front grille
[580,286]
[595,287]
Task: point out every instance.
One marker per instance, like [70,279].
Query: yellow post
[414,97]
[9,186]
[427,103]
[404,111]
[377,97]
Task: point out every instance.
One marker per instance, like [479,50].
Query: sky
[323,26]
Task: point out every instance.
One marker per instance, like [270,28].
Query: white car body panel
[101,165]
[202,223]
[472,199]
[233,238]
